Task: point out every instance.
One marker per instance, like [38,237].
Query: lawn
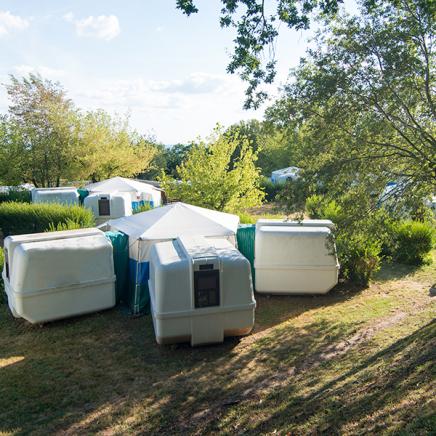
[357,361]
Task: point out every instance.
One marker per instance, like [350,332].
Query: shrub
[19,195]
[271,189]
[413,242]
[245,218]
[21,218]
[68,225]
[359,257]
[318,207]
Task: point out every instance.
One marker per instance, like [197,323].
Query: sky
[141,58]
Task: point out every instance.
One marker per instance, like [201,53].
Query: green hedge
[20,195]
[22,218]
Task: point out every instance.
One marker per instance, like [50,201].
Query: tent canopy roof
[120,184]
[177,219]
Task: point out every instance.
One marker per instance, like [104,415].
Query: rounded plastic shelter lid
[56,263]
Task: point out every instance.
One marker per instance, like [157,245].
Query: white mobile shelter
[140,192]
[284,174]
[106,206]
[200,291]
[58,278]
[67,195]
[294,223]
[164,224]
[11,242]
[295,259]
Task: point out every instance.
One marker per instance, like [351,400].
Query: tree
[40,132]
[362,101]
[274,146]
[108,148]
[208,179]
[45,139]
[257,28]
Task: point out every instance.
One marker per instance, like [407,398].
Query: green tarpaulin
[120,243]
[245,237]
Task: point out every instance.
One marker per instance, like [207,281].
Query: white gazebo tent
[163,224]
[139,191]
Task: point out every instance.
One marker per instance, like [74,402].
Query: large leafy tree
[46,140]
[39,135]
[273,145]
[257,24]
[211,176]
[363,103]
[108,148]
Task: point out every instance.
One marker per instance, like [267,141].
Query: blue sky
[144,58]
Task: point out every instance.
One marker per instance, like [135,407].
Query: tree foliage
[273,145]
[362,101]
[209,177]
[257,27]
[45,139]
[108,148]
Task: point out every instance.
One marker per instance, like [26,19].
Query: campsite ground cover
[356,361]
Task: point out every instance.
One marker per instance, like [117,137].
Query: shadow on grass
[105,372]
[394,271]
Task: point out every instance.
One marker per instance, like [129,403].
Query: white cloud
[10,23]
[44,71]
[195,83]
[104,27]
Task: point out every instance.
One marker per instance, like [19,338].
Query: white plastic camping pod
[67,196]
[200,291]
[53,279]
[295,260]
[289,223]
[106,206]
[11,242]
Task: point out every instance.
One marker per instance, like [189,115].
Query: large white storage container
[58,278]
[200,291]
[11,242]
[293,223]
[106,206]
[295,259]
[68,196]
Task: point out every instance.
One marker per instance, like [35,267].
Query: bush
[359,257]
[245,218]
[68,225]
[413,242]
[18,195]
[271,189]
[21,218]
[318,207]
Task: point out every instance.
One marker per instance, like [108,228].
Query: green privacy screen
[120,244]
[245,237]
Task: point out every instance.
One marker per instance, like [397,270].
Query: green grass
[357,361]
